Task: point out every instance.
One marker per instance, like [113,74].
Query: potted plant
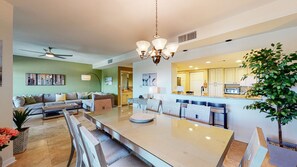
[276,74]
[6,135]
[20,116]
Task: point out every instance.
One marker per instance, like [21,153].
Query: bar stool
[203,103]
[183,105]
[218,108]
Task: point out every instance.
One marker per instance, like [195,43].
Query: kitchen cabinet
[216,82]
[125,97]
[234,75]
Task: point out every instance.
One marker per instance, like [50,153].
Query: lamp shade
[85,77]
[172,47]
[143,45]
[159,43]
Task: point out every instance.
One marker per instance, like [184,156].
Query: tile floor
[49,144]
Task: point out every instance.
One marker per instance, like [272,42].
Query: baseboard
[8,161]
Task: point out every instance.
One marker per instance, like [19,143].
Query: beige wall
[6,30]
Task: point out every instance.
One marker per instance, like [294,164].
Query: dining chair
[102,105]
[99,153]
[183,105]
[70,130]
[256,150]
[218,108]
[199,113]
[153,105]
[203,103]
[171,108]
[99,135]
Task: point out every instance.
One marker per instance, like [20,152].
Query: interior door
[196,81]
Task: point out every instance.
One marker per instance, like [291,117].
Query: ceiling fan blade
[63,55]
[31,51]
[60,57]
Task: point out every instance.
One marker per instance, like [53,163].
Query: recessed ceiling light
[238,61]
[190,66]
[207,137]
[208,62]
[196,68]
[190,129]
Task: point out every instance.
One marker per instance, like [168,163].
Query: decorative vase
[282,157]
[21,142]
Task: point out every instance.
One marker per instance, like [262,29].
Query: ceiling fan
[48,53]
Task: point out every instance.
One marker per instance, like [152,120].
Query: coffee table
[54,111]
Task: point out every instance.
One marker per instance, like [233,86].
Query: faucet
[202,90]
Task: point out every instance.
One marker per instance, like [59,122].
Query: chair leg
[225,121]
[213,118]
[71,155]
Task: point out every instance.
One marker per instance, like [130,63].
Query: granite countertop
[226,96]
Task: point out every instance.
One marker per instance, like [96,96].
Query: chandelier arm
[165,57]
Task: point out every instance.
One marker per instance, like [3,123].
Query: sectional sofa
[36,102]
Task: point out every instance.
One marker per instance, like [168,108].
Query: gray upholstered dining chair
[198,113]
[171,108]
[80,152]
[256,150]
[99,153]
[113,149]
[153,105]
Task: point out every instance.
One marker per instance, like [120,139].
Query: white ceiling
[96,30]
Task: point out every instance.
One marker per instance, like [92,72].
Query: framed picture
[36,79]
[149,79]
[1,47]
[108,80]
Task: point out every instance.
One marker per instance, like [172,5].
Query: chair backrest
[79,143]
[182,101]
[93,148]
[256,150]
[67,119]
[102,105]
[203,103]
[171,108]
[198,113]
[153,105]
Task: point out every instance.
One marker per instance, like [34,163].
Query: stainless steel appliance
[232,89]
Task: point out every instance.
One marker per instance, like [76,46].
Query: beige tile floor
[49,144]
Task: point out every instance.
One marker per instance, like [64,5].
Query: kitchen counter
[226,96]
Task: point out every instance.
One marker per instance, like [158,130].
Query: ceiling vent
[109,61]
[187,37]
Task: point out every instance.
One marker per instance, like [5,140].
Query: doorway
[126,87]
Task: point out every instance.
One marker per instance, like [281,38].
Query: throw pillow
[18,101]
[60,97]
[71,96]
[38,98]
[29,100]
[82,95]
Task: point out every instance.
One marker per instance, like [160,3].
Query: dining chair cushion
[113,151]
[130,160]
[99,135]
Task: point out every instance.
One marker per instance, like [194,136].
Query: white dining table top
[178,142]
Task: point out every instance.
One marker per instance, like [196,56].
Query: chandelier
[159,44]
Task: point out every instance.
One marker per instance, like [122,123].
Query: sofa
[36,102]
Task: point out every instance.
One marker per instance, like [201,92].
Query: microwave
[235,91]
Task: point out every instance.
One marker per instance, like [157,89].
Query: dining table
[165,140]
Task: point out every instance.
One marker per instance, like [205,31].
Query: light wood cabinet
[125,97]
[234,75]
[216,82]
[239,74]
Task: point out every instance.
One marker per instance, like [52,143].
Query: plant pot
[21,142]
[282,157]
[1,162]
